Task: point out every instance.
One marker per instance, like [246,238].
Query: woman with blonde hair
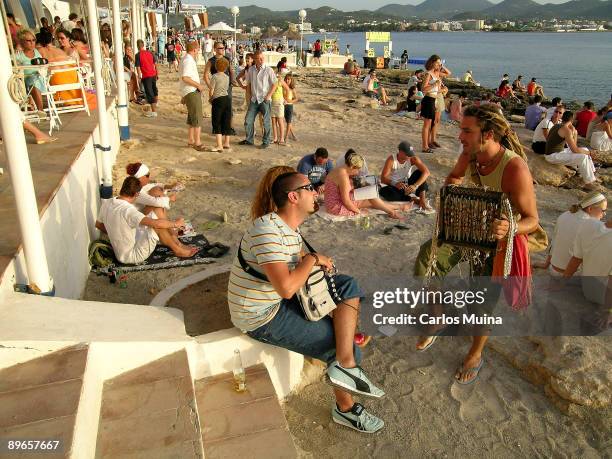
[262,202]
[339,198]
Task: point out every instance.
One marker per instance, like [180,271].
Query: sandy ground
[502,415]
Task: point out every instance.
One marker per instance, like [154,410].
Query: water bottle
[239,374]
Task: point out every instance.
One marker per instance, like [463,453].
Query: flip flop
[43,141]
[199,147]
[433,337]
[429,150]
[476,371]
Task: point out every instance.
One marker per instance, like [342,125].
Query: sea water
[574,66]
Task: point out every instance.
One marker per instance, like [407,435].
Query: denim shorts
[290,330]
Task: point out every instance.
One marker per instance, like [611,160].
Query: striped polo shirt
[253,302]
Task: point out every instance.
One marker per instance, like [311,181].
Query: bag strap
[256,274]
[247,268]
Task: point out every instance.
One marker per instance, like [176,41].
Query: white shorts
[278,110]
[145,243]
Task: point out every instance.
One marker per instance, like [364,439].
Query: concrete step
[246,425]
[39,398]
[150,412]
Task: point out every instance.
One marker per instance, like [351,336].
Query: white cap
[142,171]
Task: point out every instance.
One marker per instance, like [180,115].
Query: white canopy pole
[143,25]
[122,102]
[106,188]
[134,25]
[21,178]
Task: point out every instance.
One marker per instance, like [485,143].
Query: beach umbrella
[220,27]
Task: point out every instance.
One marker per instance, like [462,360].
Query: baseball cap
[406,148]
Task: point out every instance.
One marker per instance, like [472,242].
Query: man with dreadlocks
[492,157]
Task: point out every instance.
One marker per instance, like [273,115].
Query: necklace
[491,161]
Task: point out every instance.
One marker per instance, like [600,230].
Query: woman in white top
[593,206]
[601,137]
[432,84]
[152,194]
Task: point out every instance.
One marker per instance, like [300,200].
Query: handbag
[314,296]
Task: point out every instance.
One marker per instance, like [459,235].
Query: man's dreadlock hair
[490,119]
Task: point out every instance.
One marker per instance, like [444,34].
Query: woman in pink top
[339,198]
[456,107]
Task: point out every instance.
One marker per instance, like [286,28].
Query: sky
[345,5]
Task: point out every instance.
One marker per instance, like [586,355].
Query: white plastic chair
[59,106]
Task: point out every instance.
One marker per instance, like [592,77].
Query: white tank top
[400,172]
[432,80]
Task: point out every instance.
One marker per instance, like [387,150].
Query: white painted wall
[68,223]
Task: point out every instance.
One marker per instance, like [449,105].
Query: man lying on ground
[133,234]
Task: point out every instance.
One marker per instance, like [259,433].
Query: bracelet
[315,256]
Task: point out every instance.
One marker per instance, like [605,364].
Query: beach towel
[163,258]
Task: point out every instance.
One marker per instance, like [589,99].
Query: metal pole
[301,40]
[133,25]
[106,188]
[21,178]
[122,102]
[234,46]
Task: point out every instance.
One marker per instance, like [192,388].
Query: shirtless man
[492,156]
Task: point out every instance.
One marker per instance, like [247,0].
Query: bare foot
[187,252]
[395,215]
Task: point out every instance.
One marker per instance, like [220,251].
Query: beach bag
[313,296]
[101,254]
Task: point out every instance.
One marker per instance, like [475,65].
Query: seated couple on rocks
[406,178]
[134,234]
[268,311]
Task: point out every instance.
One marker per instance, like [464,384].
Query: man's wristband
[315,256]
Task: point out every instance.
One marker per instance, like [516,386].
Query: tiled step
[39,398]
[149,412]
[243,425]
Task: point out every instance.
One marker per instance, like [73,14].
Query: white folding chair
[58,106]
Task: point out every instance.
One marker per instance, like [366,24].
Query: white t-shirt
[68,25]
[208,45]
[593,244]
[550,111]
[144,199]
[564,236]
[365,82]
[189,69]
[538,134]
[131,241]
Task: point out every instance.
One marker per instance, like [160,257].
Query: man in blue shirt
[533,113]
[316,167]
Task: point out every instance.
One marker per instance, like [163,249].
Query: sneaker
[245,142]
[352,380]
[263,146]
[358,419]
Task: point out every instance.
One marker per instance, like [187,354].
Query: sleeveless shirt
[554,142]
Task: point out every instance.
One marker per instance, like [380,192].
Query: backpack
[101,254]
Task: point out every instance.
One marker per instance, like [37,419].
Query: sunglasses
[309,187]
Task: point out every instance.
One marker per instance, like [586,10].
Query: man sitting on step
[269,269]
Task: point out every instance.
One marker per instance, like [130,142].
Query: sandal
[428,150]
[216,150]
[43,141]
[199,147]
[462,371]
[436,145]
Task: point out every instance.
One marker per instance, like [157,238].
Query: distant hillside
[511,9]
[401,11]
[443,9]
[528,9]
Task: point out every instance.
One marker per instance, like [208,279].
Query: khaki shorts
[440,105]
[278,110]
[193,100]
